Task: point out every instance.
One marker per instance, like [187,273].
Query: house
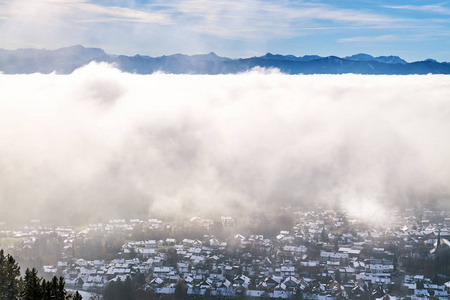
[272,281]
[162,272]
[150,244]
[170,242]
[291,283]
[341,258]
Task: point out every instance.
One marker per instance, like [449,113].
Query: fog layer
[100,143]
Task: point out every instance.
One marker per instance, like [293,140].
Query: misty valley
[255,185]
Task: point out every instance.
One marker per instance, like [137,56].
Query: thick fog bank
[100,143]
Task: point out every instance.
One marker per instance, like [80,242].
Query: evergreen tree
[324,235]
[395,261]
[127,288]
[9,277]
[298,294]
[77,296]
[138,279]
[180,289]
[32,288]
[337,276]
[61,293]
[46,290]
[172,257]
[110,291]
[336,244]
[12,287]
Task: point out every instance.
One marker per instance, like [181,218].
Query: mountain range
[66,60]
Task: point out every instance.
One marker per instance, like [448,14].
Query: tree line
[132,288]
[29,287]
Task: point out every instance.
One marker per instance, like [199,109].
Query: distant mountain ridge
[68,59]
[382,59]
[63,60]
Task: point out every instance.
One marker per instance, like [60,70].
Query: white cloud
[434,8]
[255,18]
[100,142]
[72,11]
[369,39]
[52,22]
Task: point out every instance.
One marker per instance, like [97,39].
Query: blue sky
[413,30]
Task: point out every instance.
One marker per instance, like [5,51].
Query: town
[321,254]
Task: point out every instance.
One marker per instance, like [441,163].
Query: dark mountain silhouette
[66,60]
